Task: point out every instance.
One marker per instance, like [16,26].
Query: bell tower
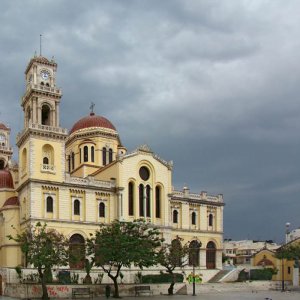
[42,141]
[41,100]
[6,151]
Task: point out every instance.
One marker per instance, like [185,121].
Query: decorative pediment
[144,148]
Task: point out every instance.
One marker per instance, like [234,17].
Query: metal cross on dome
[92,107]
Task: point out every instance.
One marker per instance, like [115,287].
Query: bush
[48,276]
[243,276]
[262,274]
[161,278]
[64,277]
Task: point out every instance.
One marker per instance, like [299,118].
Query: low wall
[31,291]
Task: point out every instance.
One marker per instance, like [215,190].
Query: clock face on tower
[45,74]
[2,138]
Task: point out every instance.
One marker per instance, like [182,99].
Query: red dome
[6,180]
[12,201]
[92,121]
[3,127]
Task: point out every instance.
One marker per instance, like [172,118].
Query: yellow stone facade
[75,180]
[267,259]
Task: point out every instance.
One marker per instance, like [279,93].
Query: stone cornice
[194,201]
[38,130]
[190,230]
[39,90]
[91,132]
[66,185]
[146,150]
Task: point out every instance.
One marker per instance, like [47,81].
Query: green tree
[121,244]
[43,248]
[289,252]
[172,256]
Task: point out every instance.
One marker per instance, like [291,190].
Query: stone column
[57,114]
[296,276]
[120,206]
[39,112]
[145,202]
[202,258]
[34,111]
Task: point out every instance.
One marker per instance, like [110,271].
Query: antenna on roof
[92,108]
[40,45]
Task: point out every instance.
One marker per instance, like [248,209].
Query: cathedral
[75,179]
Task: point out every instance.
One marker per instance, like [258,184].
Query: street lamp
[194,256]
[287,227]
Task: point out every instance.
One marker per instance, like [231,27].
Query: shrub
[262,274]
[161,278]
[64,277]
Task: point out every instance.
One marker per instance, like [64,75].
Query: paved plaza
[261,295]
[228,295]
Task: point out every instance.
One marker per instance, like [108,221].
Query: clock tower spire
[42,140]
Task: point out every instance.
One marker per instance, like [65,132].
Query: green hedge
[161,278]
[262,274]
[64,277]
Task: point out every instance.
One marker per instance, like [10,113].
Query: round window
[144,173]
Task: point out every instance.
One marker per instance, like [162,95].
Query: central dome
[92,121]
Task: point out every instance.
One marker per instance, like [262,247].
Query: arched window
[175,216]
[24,159]
[141,200]
[77,207]
[80,155]
[110,155]
[48,154]
[85,154]
[157,201]
[2,164]
[148,201]
[69,163]
[104,156]
[130,199]
[73,160]
[45,115]
[194,218]
[49,204]
[46,161]
[77,252]
[102,210]
[194,253]
[210,220]
[211,255]
[176,252]
[92,154]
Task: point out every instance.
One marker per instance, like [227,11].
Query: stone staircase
[219,276]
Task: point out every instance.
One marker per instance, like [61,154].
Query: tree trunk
[116,287]
[116,292]
[171,287]
[44,286]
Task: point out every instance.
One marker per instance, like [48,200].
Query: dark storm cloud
[212,85]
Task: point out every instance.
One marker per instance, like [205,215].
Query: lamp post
[194,264]
[287,227]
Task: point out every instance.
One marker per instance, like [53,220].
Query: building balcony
[39,87]
[5,148]
[89,181]
[42,128]
[48,168]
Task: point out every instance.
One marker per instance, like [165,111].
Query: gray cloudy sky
[212,85]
